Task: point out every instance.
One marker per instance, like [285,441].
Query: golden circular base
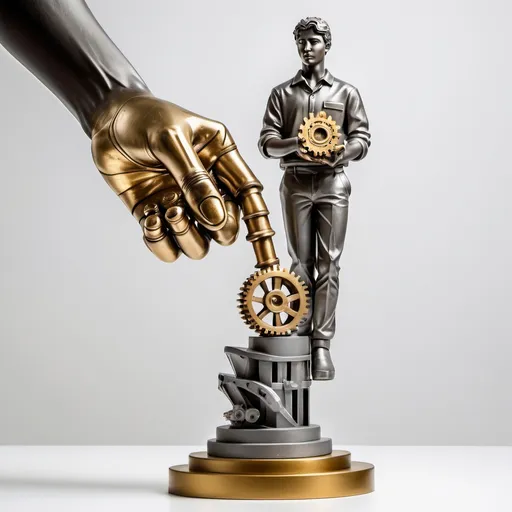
[330,476]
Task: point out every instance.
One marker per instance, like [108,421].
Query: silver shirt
[293,100]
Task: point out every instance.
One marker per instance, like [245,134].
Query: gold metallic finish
[203,463]
[258,227]
[259,231]
[235,175]
[257,235]
[176,218]
[319,135]
[253,204]
[263,247]
[265,484]
[153,228]
[173,198]
[273,301]
[164,249]
[265,253]
[156,239]
[154,153]
[191,242]
[228,234]
[151,209]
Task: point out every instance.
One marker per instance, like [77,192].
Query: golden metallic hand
[181,177]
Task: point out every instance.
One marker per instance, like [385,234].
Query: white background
[100,343]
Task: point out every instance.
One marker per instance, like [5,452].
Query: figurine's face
[311,47]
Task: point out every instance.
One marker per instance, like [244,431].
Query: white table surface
[100,478]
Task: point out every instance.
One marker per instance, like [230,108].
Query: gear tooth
[305,119]
[329,118]
[311,115]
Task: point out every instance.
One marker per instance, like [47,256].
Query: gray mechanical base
[270,395]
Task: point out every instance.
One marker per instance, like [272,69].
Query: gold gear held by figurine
[273,301]
[319,134]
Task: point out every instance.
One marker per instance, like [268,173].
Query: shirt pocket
[335,110]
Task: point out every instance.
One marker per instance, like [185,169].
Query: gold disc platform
[329,476]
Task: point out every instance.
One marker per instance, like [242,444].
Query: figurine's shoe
[322,367]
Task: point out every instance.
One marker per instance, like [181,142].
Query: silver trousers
[315,212]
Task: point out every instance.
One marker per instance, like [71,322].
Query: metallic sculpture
[183,179]
[267,451]
[305,119]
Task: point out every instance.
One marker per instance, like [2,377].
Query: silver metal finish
[270,450]
[285,347]
[271,401]
[322,365]
[315,190]
[294,99]
[255,354]
[227,434]
[271,377]
[315,212]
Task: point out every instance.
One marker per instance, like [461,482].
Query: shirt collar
[327,78]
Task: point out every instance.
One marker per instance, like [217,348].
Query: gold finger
[176,152]
[229,233]
[192,243]
[157,241]
[239,180]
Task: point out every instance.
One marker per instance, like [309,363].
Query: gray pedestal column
[270,395]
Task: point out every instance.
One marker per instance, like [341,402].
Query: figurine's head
[313,38]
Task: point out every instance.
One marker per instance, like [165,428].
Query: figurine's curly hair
[319,25]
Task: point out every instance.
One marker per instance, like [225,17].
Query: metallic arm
[271,144]
[63,45]
[161,160]
[277,148]
[357,128]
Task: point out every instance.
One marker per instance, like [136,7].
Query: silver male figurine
[315,190]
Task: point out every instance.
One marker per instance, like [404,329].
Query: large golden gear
[319,134]
[276,292]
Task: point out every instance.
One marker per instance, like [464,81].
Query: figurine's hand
[164,163]
[334,160]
